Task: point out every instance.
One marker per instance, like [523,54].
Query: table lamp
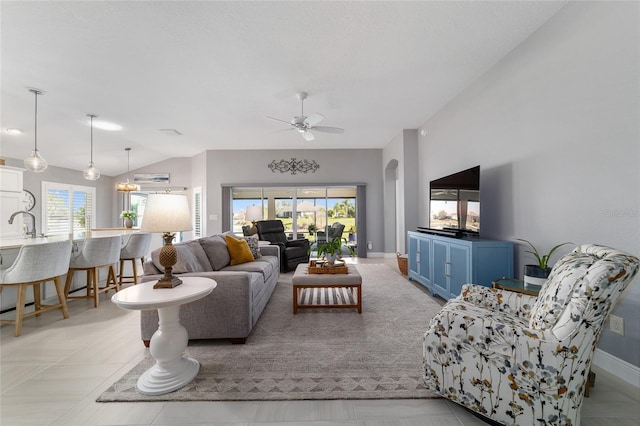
[253,214]
[167,213]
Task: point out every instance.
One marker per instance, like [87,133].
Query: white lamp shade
[166,213]
[253,213]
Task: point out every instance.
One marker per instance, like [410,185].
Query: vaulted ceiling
[212,70]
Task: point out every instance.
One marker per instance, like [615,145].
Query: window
[67,208]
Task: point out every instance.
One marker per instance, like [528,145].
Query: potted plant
[538,274]
[331,249]
[312,229]
[128,217]
[352,234]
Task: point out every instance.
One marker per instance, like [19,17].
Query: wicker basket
[403,263]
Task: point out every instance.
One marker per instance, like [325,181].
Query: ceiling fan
[304,124]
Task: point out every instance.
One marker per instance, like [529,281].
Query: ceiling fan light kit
[304,124]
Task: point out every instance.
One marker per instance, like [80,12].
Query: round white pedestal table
[172,369]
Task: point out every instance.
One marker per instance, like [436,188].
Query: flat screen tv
[454,202]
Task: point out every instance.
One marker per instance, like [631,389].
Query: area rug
[317,354]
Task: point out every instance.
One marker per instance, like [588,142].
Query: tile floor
[53,373]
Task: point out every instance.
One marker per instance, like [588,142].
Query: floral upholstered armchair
[522,360]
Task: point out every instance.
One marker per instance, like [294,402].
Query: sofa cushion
[187,260]
[215,247]
[238,250]
[199,253]
[262,265]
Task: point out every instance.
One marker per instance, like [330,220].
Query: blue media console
[444,264]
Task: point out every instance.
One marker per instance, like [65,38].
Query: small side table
[518,286]
[172,369]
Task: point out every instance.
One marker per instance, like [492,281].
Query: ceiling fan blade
[277,119]
[327,129]
[283,130]
[314,119]
[308,136]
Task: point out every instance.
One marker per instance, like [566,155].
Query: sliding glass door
[303,210]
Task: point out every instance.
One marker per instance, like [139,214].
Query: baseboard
[375,254]
[618,367]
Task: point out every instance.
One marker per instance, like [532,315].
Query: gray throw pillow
[187,261]
[215,247]
[201,256]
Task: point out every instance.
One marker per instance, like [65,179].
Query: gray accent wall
[555,129]
[349,166]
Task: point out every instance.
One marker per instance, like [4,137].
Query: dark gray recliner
[292,252]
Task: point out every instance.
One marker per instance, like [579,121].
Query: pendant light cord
[128,170]
[91,116]
[35,92]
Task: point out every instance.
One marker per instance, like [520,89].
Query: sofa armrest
[270,250]
[516,304]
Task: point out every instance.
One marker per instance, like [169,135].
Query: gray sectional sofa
[234,306]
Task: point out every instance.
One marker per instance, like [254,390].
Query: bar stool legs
[93,283]
[130,279]
[39,308]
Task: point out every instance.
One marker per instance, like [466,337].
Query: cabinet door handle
[447,275]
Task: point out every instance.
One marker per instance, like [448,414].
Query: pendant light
[91,172]
[126,186]
[35,162]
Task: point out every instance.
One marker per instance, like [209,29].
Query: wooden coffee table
[345,289]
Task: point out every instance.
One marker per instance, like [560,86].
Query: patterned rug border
[272,380]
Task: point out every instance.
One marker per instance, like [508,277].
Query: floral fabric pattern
[506,356]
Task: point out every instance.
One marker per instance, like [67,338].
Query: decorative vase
[331,258]
[534,274]
[128,223]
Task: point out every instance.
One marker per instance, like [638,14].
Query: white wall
[554,127]
[401,198]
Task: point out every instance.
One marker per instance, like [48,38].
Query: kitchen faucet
[32,233]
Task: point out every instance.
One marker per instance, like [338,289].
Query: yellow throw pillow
[238,250]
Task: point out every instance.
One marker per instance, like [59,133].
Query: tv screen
[454,201]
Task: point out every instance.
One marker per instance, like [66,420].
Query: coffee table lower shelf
[343,296]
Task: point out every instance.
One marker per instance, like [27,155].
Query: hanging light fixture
[35,162]
[91,172]
[126,186]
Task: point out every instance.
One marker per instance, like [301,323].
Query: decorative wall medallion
[293,166]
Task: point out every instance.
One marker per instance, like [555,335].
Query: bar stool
[96,253]
[37,264]
[136,248]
